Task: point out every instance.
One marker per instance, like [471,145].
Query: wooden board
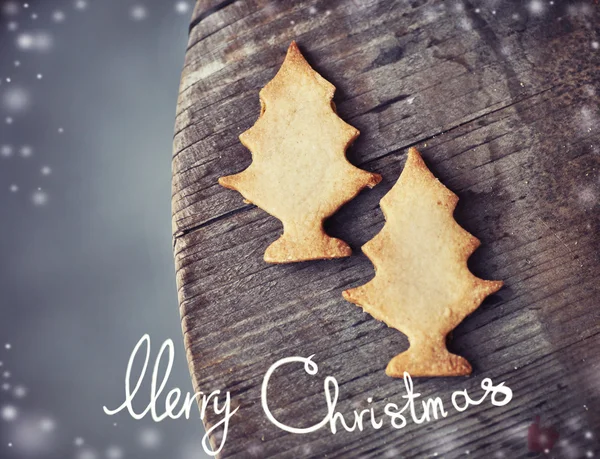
[503,102]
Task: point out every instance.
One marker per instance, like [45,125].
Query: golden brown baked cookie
[299,171]
[422,285]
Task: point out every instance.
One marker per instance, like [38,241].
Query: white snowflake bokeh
[16,99]
[20,391]
[58,16]
[6,151]
[39,41]
[39,198]
[536,7]
[26,151]
[9,413]
[182,7]
[114,452]
[81,4]
[150,438]
[138,12]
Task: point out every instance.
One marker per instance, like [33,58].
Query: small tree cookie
[422,284]
[299,171]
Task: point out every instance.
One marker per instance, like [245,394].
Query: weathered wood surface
[505,109]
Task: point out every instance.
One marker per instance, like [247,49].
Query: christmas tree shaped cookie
[422,284]
[299,171]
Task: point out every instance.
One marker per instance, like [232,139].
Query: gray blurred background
[87,103]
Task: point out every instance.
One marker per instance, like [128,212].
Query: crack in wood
[209,12]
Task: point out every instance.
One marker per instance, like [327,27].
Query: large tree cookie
[422,285]
[299,171]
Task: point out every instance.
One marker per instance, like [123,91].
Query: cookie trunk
[428,356]
[303,244]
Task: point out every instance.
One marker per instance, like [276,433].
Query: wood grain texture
[505,109]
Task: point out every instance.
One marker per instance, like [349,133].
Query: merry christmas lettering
[220,407]
[398,416]
[431,408]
